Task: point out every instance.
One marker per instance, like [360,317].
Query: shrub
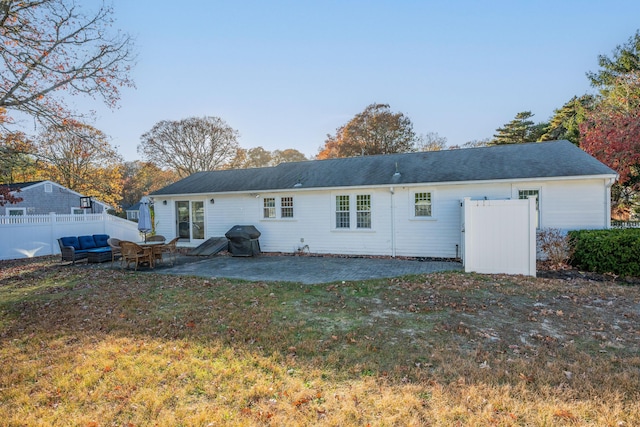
[554,246]
[607,251]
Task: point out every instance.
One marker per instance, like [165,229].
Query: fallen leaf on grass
[563,413]
[527,378]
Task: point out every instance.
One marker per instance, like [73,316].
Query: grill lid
[242,232]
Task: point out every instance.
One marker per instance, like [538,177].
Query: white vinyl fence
[499,236]
[27,236]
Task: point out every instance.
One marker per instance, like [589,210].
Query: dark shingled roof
[20,185]
[503,162]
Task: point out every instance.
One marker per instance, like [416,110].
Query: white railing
[625,224]
[27,236]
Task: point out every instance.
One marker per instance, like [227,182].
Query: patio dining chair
[156,238]
[114,244]
[133,253]
[169,248]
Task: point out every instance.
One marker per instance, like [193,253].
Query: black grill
[243,240]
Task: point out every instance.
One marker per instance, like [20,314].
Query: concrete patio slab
[302,269]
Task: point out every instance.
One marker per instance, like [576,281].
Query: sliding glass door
[190,220]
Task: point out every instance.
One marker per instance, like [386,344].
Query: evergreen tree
[624,60]
[520,129]
[565,123]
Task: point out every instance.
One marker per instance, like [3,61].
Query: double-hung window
[269,207]
[363,211]
[286,207]
[342,212]
[422,204]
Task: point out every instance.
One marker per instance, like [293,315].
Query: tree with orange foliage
[376,130]
[80,157]
[48,47]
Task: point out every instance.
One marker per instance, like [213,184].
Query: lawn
[85,346]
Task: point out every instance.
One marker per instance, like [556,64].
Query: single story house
[44,197]
[399,204]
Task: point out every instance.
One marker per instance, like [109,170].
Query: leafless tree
[190,145]
[431,141]
[288,155]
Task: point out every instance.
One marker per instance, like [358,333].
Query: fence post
[52,233]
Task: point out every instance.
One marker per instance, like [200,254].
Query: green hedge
[607,251]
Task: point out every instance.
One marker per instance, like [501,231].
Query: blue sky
[287,73]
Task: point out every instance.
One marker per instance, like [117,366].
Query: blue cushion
[101,240]
[86,242]
[70,241]
[99,250]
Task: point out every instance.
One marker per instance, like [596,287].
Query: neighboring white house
[133,212]
[399,204]
[44,197]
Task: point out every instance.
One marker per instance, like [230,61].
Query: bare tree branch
[52,46]
[190,145]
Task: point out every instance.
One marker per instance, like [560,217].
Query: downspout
[607,198]
[393,224]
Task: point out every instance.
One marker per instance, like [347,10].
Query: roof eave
[392,184]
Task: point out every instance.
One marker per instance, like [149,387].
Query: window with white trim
[269,204]
[286,207]
[48,188]
[525,194]
[422,204]
[16,211]
[78,211]
[363,211]
[342,212]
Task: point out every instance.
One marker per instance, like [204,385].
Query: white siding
[574,205]
[164,218]
[438,237]
[568,204]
